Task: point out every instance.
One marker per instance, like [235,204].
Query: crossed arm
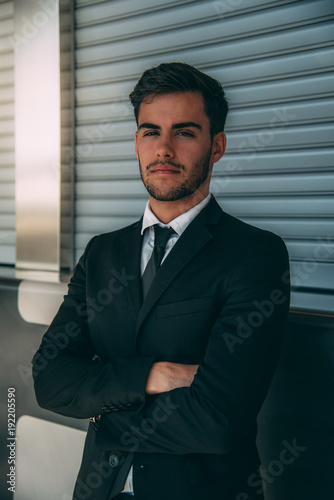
[165,376]
[208,408]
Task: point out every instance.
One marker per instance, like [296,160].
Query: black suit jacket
[221,300]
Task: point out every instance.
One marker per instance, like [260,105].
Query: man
[169,338]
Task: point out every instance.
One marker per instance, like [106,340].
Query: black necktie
[162,235]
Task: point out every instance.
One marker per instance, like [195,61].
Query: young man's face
[174,146]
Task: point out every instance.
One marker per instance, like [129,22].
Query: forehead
[173,107]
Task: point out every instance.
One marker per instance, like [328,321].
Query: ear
[136,142]
[218,146]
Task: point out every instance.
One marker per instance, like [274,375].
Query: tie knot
[162,235]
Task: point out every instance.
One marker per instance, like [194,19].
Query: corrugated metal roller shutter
[7,175]
[275,59]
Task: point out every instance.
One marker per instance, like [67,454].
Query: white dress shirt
[179,225]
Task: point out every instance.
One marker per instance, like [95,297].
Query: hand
[165,376]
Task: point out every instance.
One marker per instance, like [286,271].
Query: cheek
[142,152]
[137,154]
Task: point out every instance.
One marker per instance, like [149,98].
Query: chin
[171,195]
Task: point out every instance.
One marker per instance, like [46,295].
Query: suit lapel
[131,255]
[192,241]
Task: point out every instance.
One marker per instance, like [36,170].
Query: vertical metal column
[38,135]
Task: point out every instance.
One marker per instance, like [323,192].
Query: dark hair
[180,77]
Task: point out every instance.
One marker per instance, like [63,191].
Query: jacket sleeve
[68,377]
[217,414]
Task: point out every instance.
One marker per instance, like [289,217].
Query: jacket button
[113,460]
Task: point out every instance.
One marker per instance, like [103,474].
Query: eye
[185,133]
[150,133]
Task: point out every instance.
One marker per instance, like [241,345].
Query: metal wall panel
[7,173]
[275,60]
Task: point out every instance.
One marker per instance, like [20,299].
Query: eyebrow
[175,126]
[186,125]
[149,125]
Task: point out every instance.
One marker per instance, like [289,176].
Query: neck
[167,211]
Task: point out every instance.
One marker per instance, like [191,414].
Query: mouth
[164,169]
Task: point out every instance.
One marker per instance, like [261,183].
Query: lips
[163,168]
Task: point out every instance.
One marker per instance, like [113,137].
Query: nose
[164,148]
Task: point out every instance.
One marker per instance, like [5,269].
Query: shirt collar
[180,223]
